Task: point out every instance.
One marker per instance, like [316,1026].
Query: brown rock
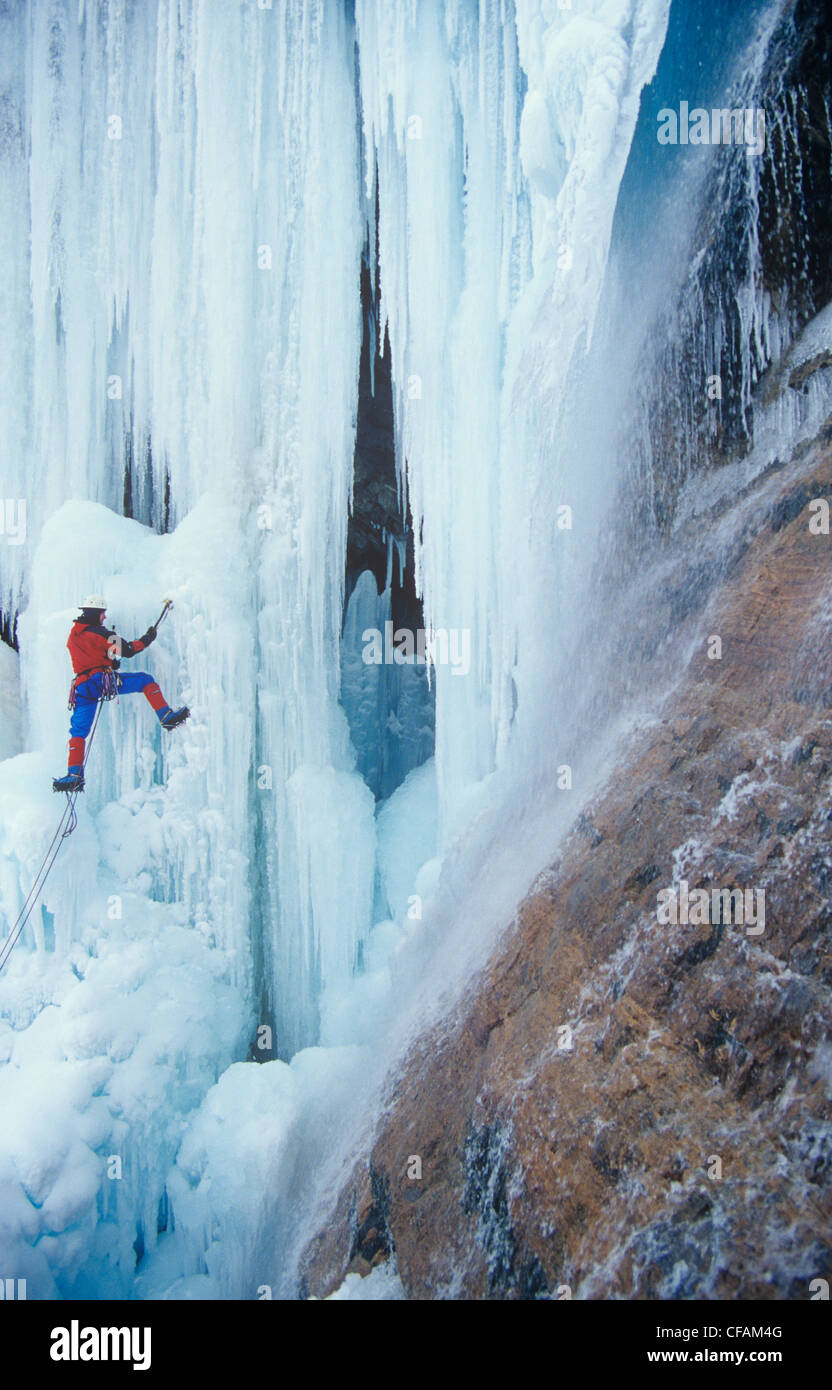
[630,1109]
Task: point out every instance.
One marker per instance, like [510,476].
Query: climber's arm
[120,648]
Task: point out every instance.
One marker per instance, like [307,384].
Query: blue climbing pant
[87,695]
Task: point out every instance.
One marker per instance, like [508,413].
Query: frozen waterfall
[190,190]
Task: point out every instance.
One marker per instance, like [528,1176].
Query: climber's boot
[173,717]
[73,782]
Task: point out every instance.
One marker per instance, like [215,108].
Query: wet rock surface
[625,1108]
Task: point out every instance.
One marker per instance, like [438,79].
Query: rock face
[763,241]
[626,1107]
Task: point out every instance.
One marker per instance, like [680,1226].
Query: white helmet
[94,601]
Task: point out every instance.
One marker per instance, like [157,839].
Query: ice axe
[167,605]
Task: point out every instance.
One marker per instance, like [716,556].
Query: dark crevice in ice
[389,707]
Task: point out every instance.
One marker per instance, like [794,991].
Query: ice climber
[96,652]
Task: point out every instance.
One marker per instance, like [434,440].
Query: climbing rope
[66,825]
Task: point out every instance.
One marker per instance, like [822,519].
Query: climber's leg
[83,713]
[140,680]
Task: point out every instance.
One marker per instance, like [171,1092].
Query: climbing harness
[69,818]
[109,683]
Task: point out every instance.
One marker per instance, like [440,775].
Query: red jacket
[95,648]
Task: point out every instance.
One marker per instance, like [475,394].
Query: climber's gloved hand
[149,636]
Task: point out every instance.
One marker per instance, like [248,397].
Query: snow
[407,836]
[382,1283]
[234,1184]
[229,1157]
[120,1046]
